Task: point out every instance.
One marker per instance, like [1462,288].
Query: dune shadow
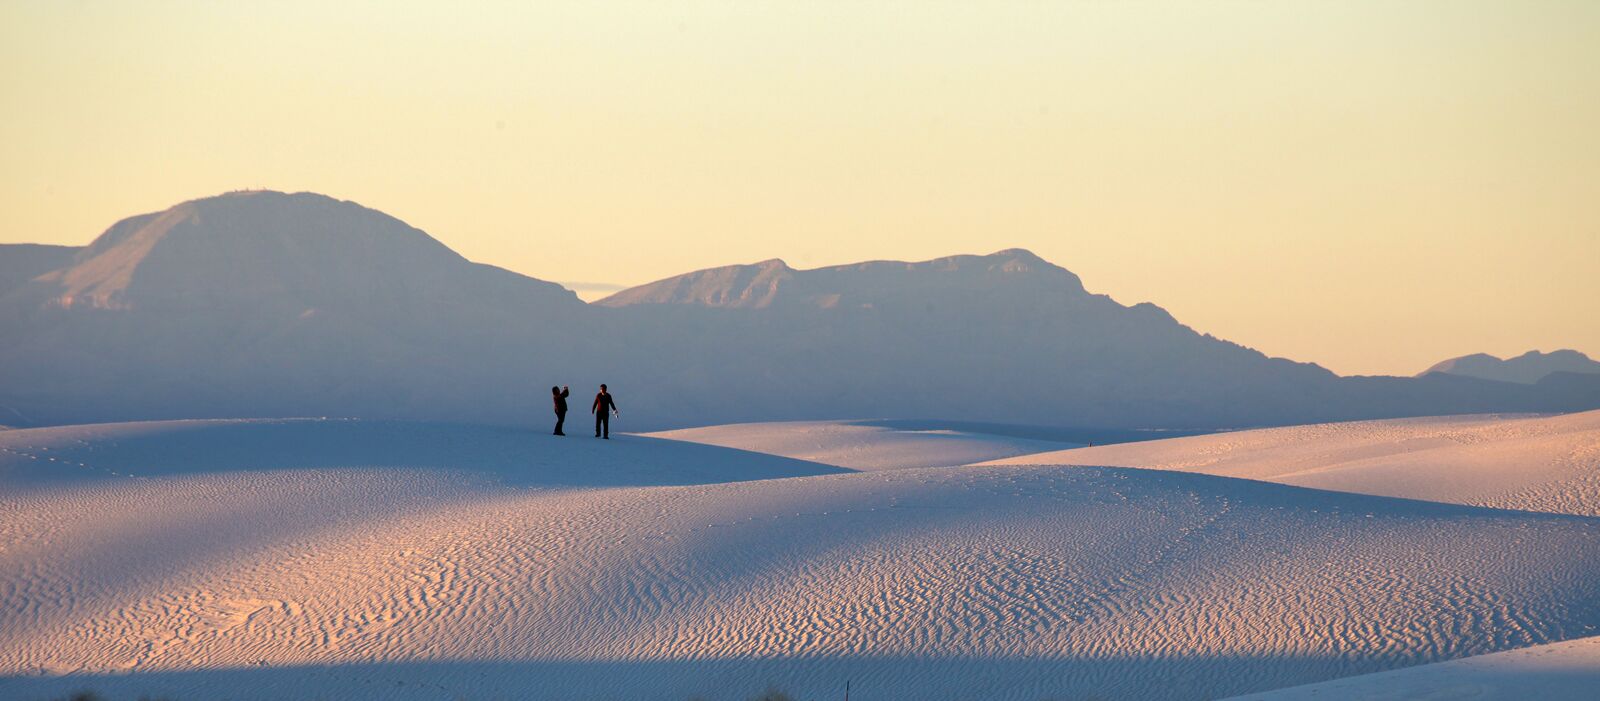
[1155,678]
[522,457]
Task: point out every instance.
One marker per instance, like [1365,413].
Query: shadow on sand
[807,679]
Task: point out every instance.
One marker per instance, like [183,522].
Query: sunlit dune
[1510,462]
[483,568]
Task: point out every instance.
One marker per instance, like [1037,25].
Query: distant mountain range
[1528,368]
[273,304]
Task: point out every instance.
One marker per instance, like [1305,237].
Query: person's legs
[599,418]
[561,418]
[605,425]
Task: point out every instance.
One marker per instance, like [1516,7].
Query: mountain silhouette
[273,304]
[270,304]
[773,283]
[1528,368]
[21,262]
[248,249]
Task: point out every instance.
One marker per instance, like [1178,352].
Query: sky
[1369,185]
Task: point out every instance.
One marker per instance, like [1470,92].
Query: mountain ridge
[265,304]
[21,262]
[773,281]
[1528,368]
[237,248]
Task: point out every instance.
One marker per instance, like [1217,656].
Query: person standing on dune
[560,397]
[604,406]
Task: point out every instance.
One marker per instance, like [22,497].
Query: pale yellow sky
[1372,186]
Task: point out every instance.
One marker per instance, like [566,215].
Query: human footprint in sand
[603,408]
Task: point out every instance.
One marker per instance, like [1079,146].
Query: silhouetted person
[604,406]
[560,397]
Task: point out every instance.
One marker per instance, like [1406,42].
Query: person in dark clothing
[560,397]
[604,406]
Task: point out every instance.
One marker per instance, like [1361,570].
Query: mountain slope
[248,249]
[270,304]
[264,303]
[1527,368]
[774,283]
[21,262]
[1005,337]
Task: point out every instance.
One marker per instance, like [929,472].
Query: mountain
[773,283]
[1528,368]
[21,262]
[243,250]
[270,304]
[265,303]
[1005,337]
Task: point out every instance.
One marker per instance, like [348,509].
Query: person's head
[555,390]
[602,388]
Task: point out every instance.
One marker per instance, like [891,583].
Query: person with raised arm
[560,397]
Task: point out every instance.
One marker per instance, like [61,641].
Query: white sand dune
[50,456]
[1513,462]
[862,445]
[1567,670]
[460,562]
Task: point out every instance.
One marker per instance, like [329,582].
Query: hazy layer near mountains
[272,304]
